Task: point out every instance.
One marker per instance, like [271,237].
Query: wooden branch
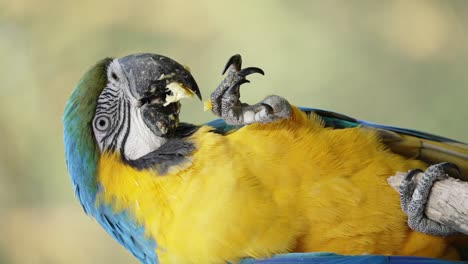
[447,203]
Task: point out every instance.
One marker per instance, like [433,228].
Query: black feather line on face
[127,132]
[116,108]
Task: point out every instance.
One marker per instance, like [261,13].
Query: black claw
[236,86]
[267,106]
[411,174]
[251,70]
[241,82]
[235,60]
[452,167]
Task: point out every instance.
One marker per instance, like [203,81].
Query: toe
[235,61]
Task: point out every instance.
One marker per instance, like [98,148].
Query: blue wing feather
[339,121]
[325,258]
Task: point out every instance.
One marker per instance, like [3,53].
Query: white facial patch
[140,140]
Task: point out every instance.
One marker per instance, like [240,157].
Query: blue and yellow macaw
[265,180]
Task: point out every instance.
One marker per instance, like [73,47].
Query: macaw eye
[102,123]
[114,76]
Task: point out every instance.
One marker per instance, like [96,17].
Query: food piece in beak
[177,92]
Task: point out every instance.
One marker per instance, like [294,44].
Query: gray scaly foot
[226,104]
[413,199]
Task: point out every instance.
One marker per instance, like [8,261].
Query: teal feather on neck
[81,150]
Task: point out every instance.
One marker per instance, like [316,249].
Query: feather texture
[320,189]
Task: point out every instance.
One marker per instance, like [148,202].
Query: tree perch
[447,203]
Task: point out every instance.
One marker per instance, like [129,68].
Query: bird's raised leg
[226,104]
[413,199]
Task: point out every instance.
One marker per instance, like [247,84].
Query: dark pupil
[114,76]
[102,123]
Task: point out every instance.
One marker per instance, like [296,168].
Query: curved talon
[250,70]
[268,107]
[234,89]
[414,196]
[452,167]
[240,82]
[226,104]
[235,60]
[412,173]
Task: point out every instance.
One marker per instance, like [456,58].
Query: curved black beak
[151,78]
[151,73]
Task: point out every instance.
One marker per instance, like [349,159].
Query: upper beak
[150,74]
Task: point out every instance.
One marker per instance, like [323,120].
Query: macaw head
[128,105]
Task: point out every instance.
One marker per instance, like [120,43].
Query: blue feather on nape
[331,258]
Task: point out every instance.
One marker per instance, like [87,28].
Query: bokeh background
[402,63]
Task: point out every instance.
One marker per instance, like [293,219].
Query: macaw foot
[413,198]
[226,104]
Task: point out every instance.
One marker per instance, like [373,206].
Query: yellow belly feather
[292,185]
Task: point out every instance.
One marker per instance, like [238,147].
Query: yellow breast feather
[291,185]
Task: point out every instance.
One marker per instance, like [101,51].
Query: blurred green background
[402,63]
